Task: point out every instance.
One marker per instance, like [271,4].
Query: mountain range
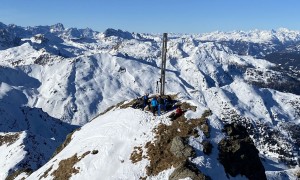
[66,96]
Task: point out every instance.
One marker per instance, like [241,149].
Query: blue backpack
[154,102]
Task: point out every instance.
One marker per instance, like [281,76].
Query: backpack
[154,103]
[145,97]
[160,100]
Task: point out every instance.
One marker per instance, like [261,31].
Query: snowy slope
[12,151]
[255,36]
[114,136]
[37,133]
[61,76]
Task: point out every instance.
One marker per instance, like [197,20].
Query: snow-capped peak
[52,78]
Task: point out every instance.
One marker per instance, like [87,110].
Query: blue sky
[155,16]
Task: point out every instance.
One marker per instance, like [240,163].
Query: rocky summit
[67,96]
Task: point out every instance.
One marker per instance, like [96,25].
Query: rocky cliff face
[239,155]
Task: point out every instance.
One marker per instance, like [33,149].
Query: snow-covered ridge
[282,35]
[103,148]
[57,76]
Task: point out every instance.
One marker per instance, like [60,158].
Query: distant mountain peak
[118,33]
[2,25]
[57,27]
[52,76]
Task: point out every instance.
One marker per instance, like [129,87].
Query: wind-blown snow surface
[71,75]
[115,134]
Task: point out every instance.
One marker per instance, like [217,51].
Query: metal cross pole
[163,64]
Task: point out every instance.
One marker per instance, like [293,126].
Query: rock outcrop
[238,154]
[187,170]
[180,149]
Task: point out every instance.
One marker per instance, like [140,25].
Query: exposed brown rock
[298,174]
[238,154]
[180,149]
[186,106]
[16,173]
[95,152]
[136,155]
[66,167]
[159,152]
[9,138]
[185,170]
[46,173]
